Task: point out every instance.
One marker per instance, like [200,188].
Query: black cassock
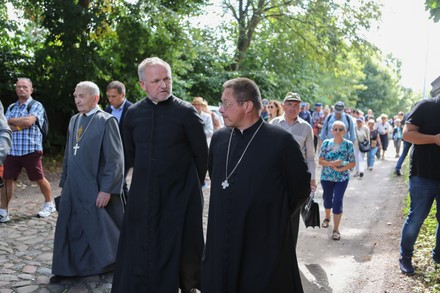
[161,240]
[249,244]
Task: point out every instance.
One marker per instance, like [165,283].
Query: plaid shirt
[28,140]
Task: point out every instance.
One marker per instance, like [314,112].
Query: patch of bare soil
[366,257]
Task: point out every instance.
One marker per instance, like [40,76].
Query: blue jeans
[371,157]
[422,193]
[406,147]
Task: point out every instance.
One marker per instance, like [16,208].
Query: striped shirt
[28,140]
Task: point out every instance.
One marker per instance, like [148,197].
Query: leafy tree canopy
[433,6]
[312,47]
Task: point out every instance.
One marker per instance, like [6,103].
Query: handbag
[364,146]
[310,212]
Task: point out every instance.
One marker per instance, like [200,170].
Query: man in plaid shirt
[27,149]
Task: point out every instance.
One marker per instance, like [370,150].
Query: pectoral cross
[225,184]
[75,148]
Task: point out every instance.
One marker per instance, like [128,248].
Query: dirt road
[366,257]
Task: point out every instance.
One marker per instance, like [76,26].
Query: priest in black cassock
[86,235]
[258,180]
[161,242]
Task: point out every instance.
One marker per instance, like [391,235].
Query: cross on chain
[75,148]
[225,184]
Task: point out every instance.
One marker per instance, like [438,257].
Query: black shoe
[406,266]
[397,173]
[59,279]
[361,174]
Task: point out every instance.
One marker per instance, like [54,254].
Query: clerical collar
[250,130]
[93,111]
[155,102]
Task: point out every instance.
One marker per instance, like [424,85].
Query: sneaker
[48,208]
[406,266]
[356,174]
[361,174]
[4,216]
[397,173]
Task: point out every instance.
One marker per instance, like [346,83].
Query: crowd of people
[359,127]
[151,233]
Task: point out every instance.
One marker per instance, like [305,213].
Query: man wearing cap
[198,103]
[317,122]
[303,134]
[305,113]
[338,115]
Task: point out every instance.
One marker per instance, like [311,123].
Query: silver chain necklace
[225,183]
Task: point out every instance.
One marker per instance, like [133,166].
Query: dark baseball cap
[339,107]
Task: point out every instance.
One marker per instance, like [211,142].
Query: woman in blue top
[336,159]
[397,136]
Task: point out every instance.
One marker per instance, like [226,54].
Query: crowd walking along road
[364,260]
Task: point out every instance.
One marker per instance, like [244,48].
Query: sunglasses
[338,129]
[270,107]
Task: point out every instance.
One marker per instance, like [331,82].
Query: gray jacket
[5,136]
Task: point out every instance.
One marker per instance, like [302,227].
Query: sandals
[336,235]
[325,223]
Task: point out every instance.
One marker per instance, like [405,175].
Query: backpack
[43,128]
[327,119]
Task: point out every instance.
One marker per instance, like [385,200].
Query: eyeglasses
[338,129]
[226,105]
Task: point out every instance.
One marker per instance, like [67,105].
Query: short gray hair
[91,87]
[340,123]
[25,78]
[151,62]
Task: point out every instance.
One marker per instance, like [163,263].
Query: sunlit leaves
[433,6]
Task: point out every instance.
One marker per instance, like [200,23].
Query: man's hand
[312,185]
[102,199]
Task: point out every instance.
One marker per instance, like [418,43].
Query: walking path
[366,257]
[362,261]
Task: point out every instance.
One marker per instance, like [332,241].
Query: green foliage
[382,92]
[311,47]
[433,6]
[65,42]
